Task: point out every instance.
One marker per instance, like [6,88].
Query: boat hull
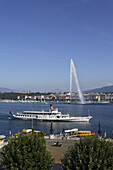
[73,119]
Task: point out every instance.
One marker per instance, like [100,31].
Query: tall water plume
[73,72]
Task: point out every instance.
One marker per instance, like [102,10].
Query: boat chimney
[51,107]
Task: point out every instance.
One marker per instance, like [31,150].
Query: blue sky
[38,38]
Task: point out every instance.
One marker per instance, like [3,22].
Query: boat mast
[32,123]
[32,118]
[68,109]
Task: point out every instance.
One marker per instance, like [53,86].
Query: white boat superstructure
[2,137]
[70,133]
[51,115]
[75,132]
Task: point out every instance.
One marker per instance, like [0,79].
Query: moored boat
[85,133]
[76,133]
[29,131]
[51,115]
[2,137]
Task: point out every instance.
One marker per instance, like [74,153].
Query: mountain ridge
[3,90]
[105,89]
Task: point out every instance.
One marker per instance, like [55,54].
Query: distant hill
[105,89]
[57,90]
[2,89]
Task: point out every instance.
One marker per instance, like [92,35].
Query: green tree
[27,151]
[91,153]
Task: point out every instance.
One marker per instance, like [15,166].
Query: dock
[59,151]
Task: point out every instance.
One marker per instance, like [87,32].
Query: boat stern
[11,113]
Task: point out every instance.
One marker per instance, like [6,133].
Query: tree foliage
[90,153]
[27,151]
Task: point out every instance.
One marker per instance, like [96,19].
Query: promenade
[58,152]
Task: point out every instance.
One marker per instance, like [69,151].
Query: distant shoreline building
[25,92]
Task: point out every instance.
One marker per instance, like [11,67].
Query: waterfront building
[65,96]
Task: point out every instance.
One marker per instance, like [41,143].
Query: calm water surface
[102,112]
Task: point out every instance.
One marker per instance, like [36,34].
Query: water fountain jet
[74,72]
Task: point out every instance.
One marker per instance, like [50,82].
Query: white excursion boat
[51,115]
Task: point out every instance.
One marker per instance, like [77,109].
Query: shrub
[26,151]
[88,154]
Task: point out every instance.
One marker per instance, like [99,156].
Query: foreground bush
[91,153]
[27,151]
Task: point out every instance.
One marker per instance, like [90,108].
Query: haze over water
[102,112]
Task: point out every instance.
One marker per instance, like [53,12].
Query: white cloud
[109,84]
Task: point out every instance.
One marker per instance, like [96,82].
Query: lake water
[102,112]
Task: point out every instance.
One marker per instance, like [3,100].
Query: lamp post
[51,131]
[51,128]
[99,131]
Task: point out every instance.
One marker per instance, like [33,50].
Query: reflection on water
[104,113]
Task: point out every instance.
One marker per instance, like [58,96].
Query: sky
[38,39]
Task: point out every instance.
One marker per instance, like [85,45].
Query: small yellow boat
[85,133]
[30,131]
